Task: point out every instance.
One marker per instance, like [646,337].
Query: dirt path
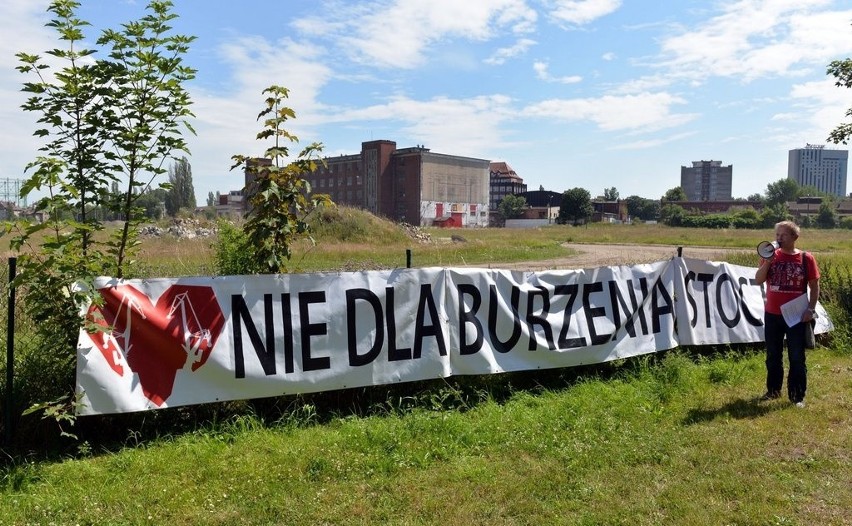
[593,255]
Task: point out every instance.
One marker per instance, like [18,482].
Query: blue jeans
[797,379]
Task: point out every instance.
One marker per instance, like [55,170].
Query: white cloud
[785,117]
[503,54]
[608,56]
[822,106]
[459,126]
[645,111]
[541,71]
[397,33]
[757,38]
[581,12]
[652,143]
[22,26]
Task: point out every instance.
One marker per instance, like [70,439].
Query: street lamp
[549,197]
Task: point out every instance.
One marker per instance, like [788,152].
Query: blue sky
[571,93]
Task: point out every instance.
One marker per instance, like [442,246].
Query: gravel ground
[594,255]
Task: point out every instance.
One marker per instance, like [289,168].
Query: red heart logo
[155,341]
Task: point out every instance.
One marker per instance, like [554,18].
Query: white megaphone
[766,249]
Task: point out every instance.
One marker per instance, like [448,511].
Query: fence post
[680,252]
[407,258]
[10,355]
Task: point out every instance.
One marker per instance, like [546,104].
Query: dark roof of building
[540,198]
[502,169]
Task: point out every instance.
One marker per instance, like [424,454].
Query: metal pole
[10,354]
[407,258]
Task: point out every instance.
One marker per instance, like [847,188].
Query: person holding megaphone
[788,273]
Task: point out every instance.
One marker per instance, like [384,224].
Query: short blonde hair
[791,227]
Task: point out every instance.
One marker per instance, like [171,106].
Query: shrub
[836,296]
[234,253]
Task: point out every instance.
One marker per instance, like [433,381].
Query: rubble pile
[415,233]
[182,228]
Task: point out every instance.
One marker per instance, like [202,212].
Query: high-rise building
[815,165]
[706,181]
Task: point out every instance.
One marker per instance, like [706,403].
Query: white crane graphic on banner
[194,336]
[120,352]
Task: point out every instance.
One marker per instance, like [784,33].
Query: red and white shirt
[786,279]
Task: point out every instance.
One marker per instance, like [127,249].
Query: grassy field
[681,441]
[675,438]
[356,241]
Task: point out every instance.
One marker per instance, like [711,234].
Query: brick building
[413,184]
[504,181]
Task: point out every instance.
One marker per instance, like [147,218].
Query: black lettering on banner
[469,316]
[287,326]
[594,312]
[309,329]
[493,310]
[421,330]
[643,286]
[539,320]
[617,300]
[265,353]
[394,354]
[706,279]
[690,276]
[564,342]
[751,318]
[370,297]
[729,322]
[656,310]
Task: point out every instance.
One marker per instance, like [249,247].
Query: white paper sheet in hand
[793,310]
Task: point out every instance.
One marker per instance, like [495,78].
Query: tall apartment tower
[707,181]
[815,165]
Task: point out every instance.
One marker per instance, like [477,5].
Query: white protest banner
[722,304]
[173,342]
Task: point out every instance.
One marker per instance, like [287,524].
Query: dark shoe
[770,395]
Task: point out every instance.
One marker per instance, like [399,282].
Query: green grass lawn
[364,243]
[681,441]
[674,438]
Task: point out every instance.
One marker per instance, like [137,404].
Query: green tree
[105,120]
[773,213]
[153,203]
[672,215]
[757,198]
[72,167]
[610,194]
[576,206]
[180,192]
[211,199]
[512,206]
[147,110]
[827,215]
[71,171]
[675,194]
[642,208]
[280,198]
[782,191]
[841,70]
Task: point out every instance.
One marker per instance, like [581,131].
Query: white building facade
[817,166]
